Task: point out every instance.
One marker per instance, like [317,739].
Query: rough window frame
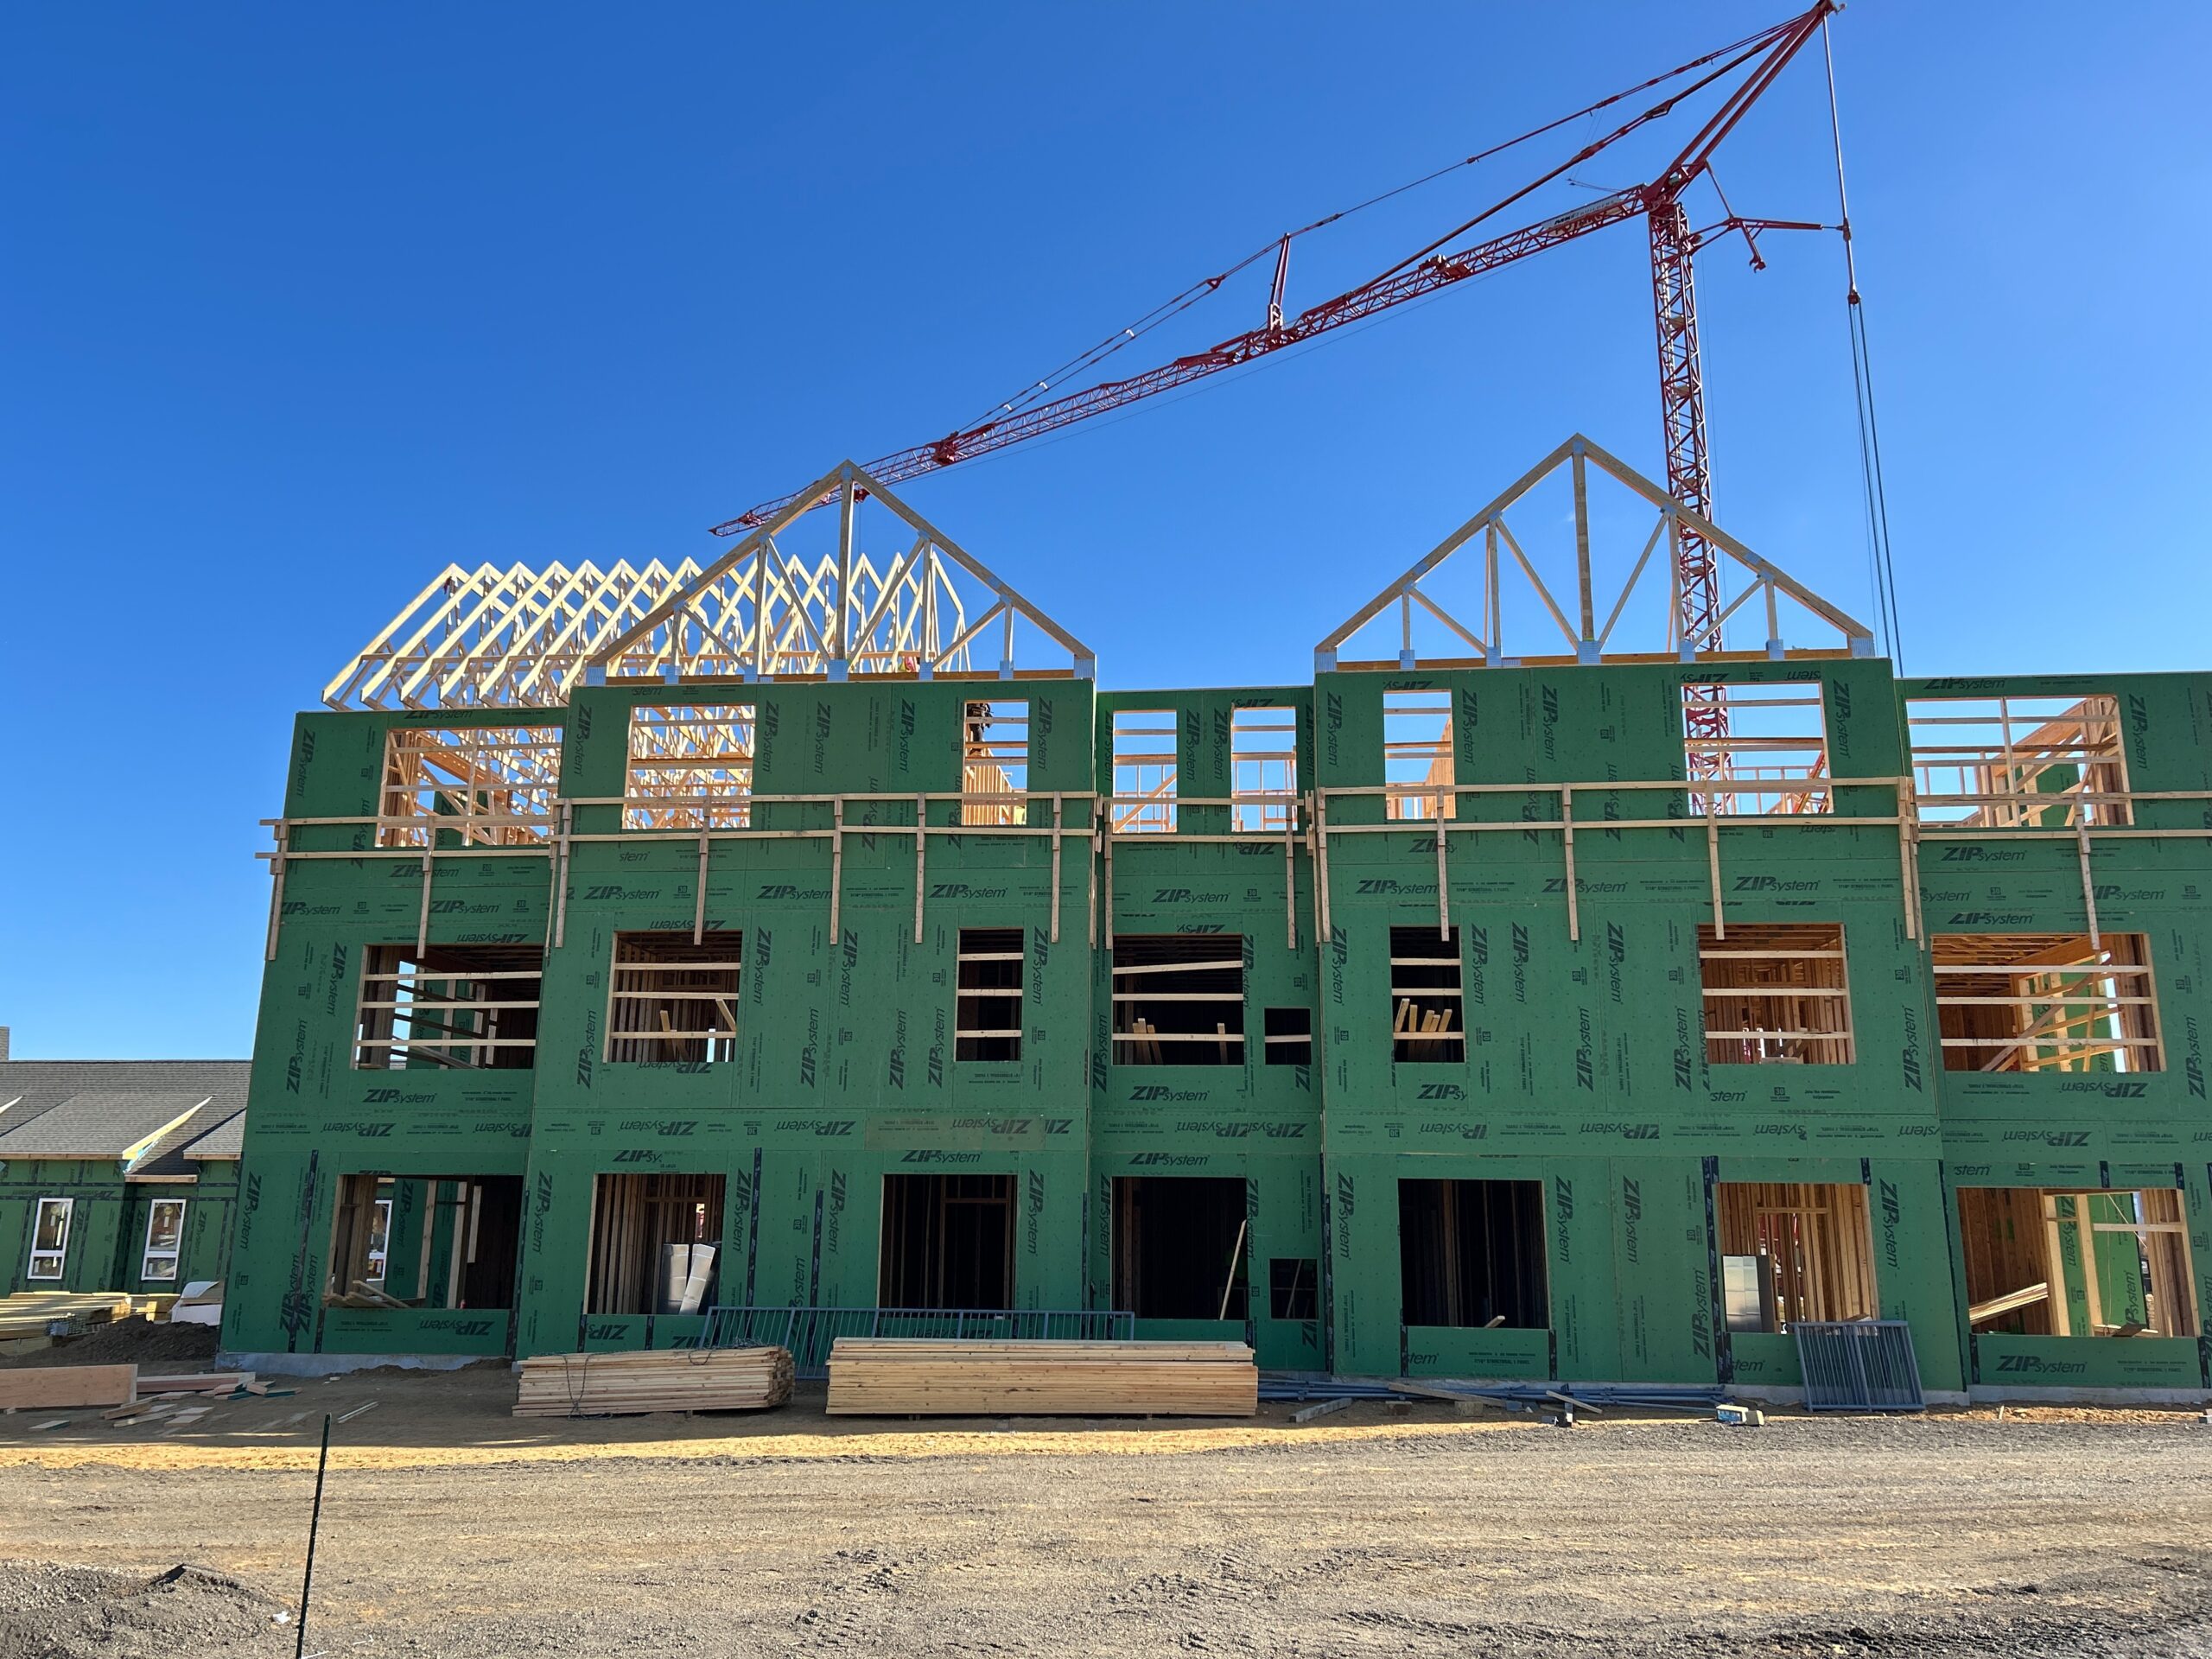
[688,766]
[1263,768]
[1977,762]
[1144,771]
[390,1005]
[1977,976]
[990,972]
[994,765]
[1420,756]
[665,977]
[490,785]
[1755,973]
[1163,984]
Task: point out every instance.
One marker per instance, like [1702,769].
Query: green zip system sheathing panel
[1584,1075]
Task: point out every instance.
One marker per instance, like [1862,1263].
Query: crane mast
[1673,246]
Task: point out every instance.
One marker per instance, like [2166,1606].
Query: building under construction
[1511,1000]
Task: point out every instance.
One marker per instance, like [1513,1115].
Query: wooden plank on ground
[51,1386]
[950,1377]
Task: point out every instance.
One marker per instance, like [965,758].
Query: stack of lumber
[926,1375]
[49,1387]
[675,1379]
[28,1313]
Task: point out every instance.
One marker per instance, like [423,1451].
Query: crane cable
[1881,568]
[1176,304]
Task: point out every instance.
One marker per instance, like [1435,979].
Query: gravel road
[450,1528]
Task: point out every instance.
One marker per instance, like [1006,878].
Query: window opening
[50,1237]
[1417,754]
[1293,1288]
[1470,1254]
[2050,1261]
[1178,999]
[1263,769]
[986,1024]
[1774,993]
[164,1239]
[1144,771]
[691,767]
[1773,758]
[453,1006]
[995,763]
[2015,763]
[424,1242]
[492,786]
[673,1000]
[948,1242]
[2046,1002]
[1181,1247]
[1289,1034]
[1427,1027]
[654,1240]
[1795,1251]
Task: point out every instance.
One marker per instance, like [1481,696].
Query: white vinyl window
[164,1239]
[50,1237]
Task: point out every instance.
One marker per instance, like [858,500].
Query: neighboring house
[117,1174]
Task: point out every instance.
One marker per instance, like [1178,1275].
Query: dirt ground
[450,1528]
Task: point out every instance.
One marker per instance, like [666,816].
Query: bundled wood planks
[891,1376]
[28,1313]
[47,1387]
[674,1379]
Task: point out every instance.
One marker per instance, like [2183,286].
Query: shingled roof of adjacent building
[106,1108]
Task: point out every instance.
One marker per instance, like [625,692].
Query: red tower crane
[1761,57]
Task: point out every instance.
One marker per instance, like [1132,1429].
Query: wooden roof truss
[515,637]
[1585,616]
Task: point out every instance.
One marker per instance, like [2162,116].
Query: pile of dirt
[77,1612]
[142,1343]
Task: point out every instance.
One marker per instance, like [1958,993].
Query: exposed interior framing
[1769,755]
[1471,1255]
[690,767]
[673,999]
[1419,759]
[654,1240]
[1178,999]
[1428,1024]
[995,761]
[469,785]
[1774,993]
[2056,1261]
[990,980]
[424,1240]
[1793,1250]
[2018,762]
[1263,769]
[2046,1002]
[450,1008]
[947,1242]
[1181,1247]
[1144,771]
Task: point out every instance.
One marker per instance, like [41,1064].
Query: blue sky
[297,304]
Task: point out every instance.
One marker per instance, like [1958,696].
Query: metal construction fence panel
[1859,1365]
